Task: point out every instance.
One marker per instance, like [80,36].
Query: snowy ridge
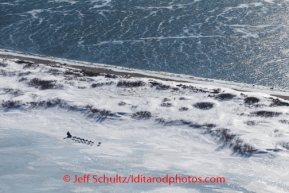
[145,125]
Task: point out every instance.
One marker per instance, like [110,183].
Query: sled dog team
[81,140]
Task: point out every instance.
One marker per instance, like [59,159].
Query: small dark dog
[69,135]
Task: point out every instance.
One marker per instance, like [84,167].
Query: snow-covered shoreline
[144,73]
[145,125]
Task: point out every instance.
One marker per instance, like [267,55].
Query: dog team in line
[81,140]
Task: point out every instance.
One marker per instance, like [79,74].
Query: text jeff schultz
[87,178]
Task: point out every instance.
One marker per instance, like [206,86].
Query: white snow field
[146,126]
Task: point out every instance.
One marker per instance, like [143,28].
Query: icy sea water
[236,40]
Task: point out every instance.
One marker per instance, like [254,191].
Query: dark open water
[236,40]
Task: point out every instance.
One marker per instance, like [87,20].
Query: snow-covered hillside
[146,126]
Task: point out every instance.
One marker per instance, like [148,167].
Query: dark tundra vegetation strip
[228,139]
[182,121]
[88,109]
[183,109]
[42,84]
[14,92]
[123,83]
[142,115]
[224,136]
[24,73]
[161,86]
[224,96]
[204,105]
[121,103]
[11,104]
[166,105]
[265,114]
[251,100]
[94,85]
[7,73]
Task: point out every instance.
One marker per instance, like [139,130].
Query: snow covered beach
[149,123]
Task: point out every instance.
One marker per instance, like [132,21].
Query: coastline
[145,125]
[136,73]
